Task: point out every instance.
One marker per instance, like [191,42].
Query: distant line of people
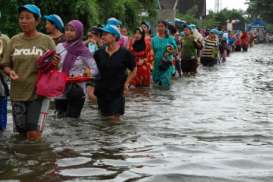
[103,67]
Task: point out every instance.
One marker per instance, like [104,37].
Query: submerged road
[214,127]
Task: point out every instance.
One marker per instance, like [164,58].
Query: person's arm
[90,85]
[175,46]
[131,65]
[149,52]
[131,75]
[56,58]
[6,62]
[92,66]
[11,73]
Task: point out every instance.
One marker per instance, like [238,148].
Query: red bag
[51,84]
[44,62]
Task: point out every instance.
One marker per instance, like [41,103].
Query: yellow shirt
[21,55]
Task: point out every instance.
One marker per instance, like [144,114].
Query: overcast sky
[230,4]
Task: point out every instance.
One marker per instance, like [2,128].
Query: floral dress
[162,78]
[144,60]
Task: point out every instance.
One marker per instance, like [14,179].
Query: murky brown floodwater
[215,127]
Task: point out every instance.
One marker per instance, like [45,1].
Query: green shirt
[21,56]
[189,50]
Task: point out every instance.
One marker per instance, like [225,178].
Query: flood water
[214,127]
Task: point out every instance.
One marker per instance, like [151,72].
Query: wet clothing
[209,53]
[207,61]
[26,115]
[245,41]
[189,62]
[112,106]
[144,60]
[189,65]
[160,77]
[210,49]
[189,50]
[72,106]
[109,85]
[21,56]
[223,49]
[75,58]
[69,107]
[238,45]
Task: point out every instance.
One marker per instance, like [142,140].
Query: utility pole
[218,6]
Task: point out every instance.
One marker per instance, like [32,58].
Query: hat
[188,26]
[215,31]
[192,26]
[182,34]
[113,21]
[56,21]
[78,27]
[31,8]
[220,33]
[112,30]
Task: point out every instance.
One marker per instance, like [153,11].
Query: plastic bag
[51,84]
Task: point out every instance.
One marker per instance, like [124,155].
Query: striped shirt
[209,48]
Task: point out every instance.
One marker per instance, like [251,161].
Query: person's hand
[13,75]
[90,93]
[87,72]
[126,89]
[170,49]
[56,60]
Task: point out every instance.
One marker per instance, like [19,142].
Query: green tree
[220,19]
[90,12]
[261,9]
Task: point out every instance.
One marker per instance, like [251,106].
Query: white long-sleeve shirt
[78,67]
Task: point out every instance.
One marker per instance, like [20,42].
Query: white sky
[230,4]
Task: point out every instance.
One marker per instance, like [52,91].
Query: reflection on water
[215,127]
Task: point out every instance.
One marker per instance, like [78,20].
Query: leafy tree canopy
[90,12]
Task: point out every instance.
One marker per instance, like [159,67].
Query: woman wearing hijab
[76,62]
[163,70]
[141,49]
[147,29]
